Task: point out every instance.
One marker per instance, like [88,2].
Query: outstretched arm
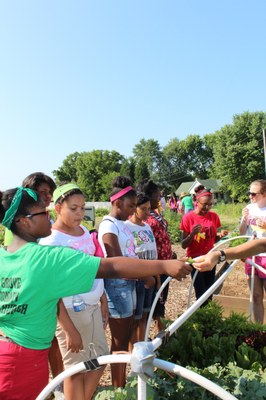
[133,268]
[251,248]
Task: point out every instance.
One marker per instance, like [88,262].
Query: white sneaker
[58,393]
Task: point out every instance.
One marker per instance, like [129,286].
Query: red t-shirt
[203,242]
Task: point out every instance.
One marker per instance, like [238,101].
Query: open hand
[207,262]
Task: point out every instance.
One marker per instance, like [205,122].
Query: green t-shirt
[32,280]
[187,203]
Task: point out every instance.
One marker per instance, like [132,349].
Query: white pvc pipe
[191,286]
[221,242]
[251,291]
[153,307]
[125,358]
[263,270]
[142,389]
[193,377]
[254,265]
[80,367]
[157,341]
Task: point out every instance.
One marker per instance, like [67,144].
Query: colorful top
[82,243]
[163,242]
[255,212]
[203,241]
[144,240]
[33,279]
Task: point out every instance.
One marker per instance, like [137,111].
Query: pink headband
[201,194]
[121,193]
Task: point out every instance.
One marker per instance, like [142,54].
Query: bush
[101,212]
[173,220]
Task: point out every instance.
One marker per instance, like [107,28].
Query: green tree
[128,168]
[186,159]
[68,171]
[92,171]
[141,171]
[238,153]
[149,152]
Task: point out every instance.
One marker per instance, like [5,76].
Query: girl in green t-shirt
[33,278]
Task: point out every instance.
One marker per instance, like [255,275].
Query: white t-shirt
[82,243]
[255,213]
[144,240]
[120,229]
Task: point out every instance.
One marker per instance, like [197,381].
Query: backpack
[98,248]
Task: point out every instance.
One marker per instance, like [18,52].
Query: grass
[230,215]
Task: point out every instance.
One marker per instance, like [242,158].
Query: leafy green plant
[208,338]
[244,384]
[126,393]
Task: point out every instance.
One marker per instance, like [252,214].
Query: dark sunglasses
[252,194]
[39,213]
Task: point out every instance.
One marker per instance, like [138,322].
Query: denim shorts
[144,299]
[121,297]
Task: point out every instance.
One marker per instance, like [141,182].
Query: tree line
[234,154]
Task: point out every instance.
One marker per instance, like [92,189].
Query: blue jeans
[121,297]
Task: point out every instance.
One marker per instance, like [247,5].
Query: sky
[86,75]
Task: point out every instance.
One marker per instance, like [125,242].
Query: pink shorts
[23,372]
[261,261]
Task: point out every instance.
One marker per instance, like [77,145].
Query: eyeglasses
[252,194]
[39,213]
[205,204]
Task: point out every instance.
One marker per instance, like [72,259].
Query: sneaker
[58,393]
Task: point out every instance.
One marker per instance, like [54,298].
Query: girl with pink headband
[116,239]
[199,234]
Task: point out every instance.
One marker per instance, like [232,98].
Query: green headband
[61,190]
[13,208]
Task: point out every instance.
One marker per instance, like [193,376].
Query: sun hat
[182,194]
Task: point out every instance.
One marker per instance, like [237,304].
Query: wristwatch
[222,256]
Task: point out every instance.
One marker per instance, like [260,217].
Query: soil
[235,285]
